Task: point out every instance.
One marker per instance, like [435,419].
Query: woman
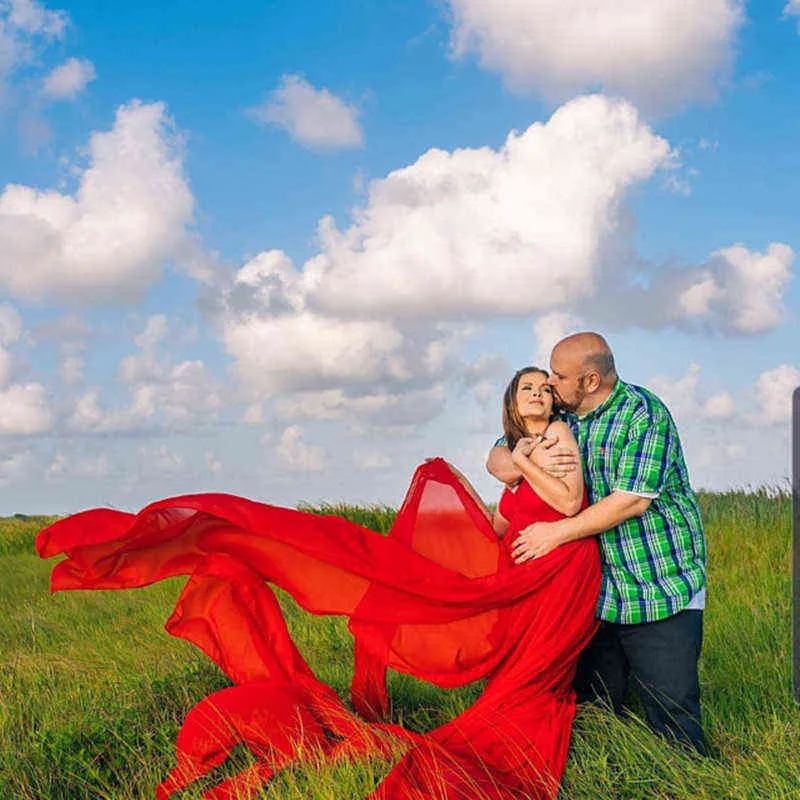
[439,598]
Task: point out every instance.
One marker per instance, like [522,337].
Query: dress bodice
[522,506]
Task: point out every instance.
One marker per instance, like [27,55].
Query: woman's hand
[522,451]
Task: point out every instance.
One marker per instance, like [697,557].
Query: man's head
[582,372]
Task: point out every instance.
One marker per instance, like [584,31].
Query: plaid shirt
[652,564]
[655,563]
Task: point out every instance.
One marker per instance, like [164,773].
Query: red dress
[439,598]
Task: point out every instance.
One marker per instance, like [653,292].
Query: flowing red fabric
[438,598]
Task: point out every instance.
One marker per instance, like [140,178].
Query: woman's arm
[565,494]
[487,512]
[500,524]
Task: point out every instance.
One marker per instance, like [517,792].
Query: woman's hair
[513,424]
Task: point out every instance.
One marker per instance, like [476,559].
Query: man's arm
[540,538]
[501,466]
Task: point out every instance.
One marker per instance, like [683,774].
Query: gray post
[796,542]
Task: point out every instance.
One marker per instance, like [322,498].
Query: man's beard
[571,407]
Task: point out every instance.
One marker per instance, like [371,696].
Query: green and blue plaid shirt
[655,563]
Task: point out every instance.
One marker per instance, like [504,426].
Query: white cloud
[719,406]
[25,410]
[774,390]
[657,53]
[213,464]
[376,409]
[155,331]
[10,325]
[742,289]
[6,367]
[69,79]
[162,460]
[683,398]
[162,394]
[475,232]
[792,8]
[71,369]
[34,18]
[548,330]
[294,454]
[372,460]
[22,24]
[14,466]
[94,466]
[296,351]
[108,242]
[312,117]
[483,232]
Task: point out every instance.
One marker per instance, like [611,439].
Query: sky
[290,249]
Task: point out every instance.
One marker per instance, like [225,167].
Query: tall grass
[93,691]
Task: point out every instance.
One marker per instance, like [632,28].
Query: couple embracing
[646,519]
[591,573]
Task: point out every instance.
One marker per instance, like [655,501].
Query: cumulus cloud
[108,241]
[25,410]
[374,409]
[162,393]
[10,324]
[15,466]
[792,8]
[281,344]
[313,117]
[742,288]
[548,330]
[735,291]
[163,460]
[71,368]
[69,79]
[774,390]
[719,406]
[658,54]
[213,464]
[686,402]
[485,232]
[372,460]
[293,351]
[296,455]
[23,25]
[454,236]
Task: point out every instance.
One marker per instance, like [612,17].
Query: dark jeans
[661,659]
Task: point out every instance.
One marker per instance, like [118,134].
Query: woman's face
[534,397]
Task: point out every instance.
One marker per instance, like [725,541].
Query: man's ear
[591,382]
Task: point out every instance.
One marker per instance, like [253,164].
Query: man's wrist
[565,529]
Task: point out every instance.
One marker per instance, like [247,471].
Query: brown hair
[513,424]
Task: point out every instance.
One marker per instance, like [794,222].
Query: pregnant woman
[439,598]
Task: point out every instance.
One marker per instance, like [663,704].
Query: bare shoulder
[563,431]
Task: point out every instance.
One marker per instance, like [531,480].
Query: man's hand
[555,459]
[536,540]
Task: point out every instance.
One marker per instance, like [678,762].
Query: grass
[93,691]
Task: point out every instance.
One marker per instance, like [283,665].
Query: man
[652,546]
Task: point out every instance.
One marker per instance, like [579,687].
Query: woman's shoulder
[560,428]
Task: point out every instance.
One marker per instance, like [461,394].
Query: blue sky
[291,252]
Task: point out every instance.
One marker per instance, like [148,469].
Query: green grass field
[93,691]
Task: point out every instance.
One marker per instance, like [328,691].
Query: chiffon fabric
[438,598]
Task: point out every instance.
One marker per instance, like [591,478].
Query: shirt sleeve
[642,467]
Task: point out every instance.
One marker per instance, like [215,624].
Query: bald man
[651,539]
